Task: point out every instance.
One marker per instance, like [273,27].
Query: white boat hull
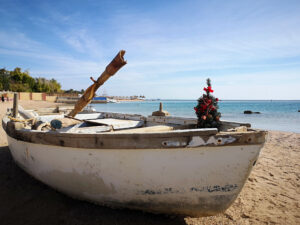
[190,181]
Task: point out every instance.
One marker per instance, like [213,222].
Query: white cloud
[82,41]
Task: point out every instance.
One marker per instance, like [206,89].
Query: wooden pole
[89,93]
[15,106]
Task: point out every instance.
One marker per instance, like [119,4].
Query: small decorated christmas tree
[207,109]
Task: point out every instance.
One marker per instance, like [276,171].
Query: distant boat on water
[88,109]
[111,100]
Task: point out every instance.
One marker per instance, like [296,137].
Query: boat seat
[158,128]
[117,124]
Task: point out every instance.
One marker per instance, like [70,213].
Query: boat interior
[99,122]
[127,131]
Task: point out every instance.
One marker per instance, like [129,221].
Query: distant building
[99,98]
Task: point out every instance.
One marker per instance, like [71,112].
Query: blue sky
[249,49]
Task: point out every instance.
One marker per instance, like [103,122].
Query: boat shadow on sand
[25,200]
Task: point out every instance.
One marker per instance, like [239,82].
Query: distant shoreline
[270,100]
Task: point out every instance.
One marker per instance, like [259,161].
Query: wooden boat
[156,164]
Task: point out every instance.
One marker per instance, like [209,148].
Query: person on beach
[2,98]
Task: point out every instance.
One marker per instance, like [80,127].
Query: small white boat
[155,164]
[89,109]
[111,100]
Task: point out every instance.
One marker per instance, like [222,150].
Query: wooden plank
[171,120]
[90,130]
[89,116]
[123,116]
[117,124]
[26,114]
[158,128]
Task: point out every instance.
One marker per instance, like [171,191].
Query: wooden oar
[89,93]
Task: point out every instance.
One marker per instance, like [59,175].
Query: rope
[20,120]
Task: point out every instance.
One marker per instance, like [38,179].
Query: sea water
[274,115]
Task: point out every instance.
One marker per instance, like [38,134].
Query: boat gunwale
[154,140]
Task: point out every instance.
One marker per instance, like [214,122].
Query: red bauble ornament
[208,89]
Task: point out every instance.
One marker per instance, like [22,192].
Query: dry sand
[270,196]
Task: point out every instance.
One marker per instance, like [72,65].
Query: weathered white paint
[199,141]
[89,130]
[89,116]
[80,129]
[157,128]
[191,181]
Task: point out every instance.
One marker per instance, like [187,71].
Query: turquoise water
[275,115]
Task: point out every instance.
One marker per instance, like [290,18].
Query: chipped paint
[197,141]
[213,140]
[228,140]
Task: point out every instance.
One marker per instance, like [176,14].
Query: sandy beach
[270,196]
